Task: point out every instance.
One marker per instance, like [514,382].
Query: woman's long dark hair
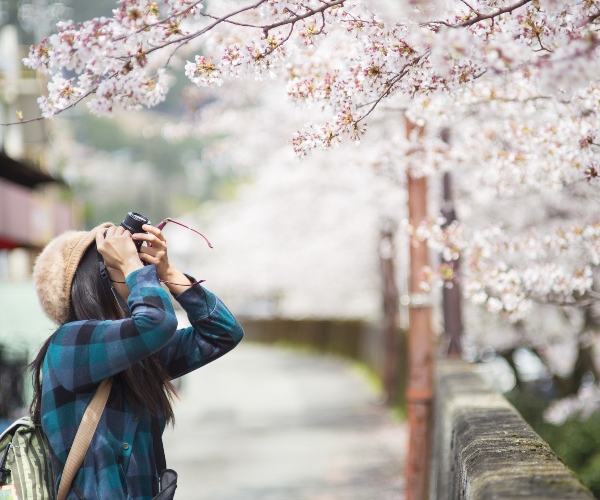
[145,385]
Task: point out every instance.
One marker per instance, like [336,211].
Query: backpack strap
[83,437]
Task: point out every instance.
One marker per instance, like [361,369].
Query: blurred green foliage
[160,178]
[112,135]
[576,442]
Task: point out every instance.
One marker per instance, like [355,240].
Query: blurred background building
[34,207]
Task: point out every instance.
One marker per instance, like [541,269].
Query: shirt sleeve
[213,332]
[83,353]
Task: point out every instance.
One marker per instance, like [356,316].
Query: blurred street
[266,423]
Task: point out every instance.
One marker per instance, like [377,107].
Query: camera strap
[104,274]
[161,225]
[164,222]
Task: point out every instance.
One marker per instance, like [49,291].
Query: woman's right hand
[118,249]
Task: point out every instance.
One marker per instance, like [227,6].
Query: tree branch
[390,86]
[162,21]
[310,13]
[499,12]
[191,36]
[482,17]
[58,112]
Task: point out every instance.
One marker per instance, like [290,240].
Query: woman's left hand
[156,253]
[156,250]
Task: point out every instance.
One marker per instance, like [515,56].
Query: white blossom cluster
[365,59]
[551,44]
[112,58]
[122,60]
[581,406]
[506,273]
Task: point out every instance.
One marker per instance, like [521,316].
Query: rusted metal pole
[420,350]
[453,325]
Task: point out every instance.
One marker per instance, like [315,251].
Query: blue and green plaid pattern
[120,461]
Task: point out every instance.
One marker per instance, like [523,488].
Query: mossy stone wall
[483,449]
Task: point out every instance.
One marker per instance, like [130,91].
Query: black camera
[133,223]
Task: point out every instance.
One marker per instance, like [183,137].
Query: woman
[136,343]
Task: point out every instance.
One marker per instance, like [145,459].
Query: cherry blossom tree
[526,63]
[515,81]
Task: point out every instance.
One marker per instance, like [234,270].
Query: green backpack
[25,464]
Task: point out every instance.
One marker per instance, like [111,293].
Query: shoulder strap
[83,437]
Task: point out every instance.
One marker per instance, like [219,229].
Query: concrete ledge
[483,449]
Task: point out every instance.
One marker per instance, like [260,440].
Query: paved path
[265,423]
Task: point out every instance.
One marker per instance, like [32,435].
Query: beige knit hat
[55,267]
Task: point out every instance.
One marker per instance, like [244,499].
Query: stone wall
[483,449]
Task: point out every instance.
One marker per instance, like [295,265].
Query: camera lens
[133,222]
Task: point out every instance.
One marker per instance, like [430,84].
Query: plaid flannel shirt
[120,462]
